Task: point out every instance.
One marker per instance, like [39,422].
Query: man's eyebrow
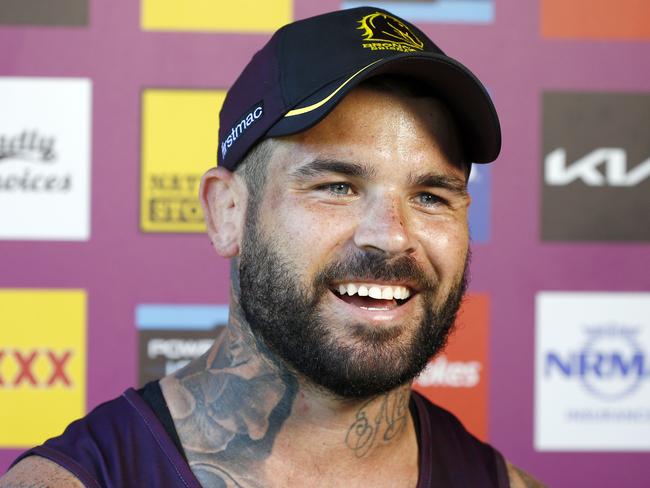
[317,167]
[436,180]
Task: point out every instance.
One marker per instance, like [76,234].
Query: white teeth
[375,292]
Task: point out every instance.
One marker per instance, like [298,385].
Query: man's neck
[244,417]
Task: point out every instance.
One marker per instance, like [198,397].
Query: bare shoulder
[521,479]
[38,472]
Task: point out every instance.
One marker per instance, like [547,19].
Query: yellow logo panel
[42,363]
[180,131]
[216,15]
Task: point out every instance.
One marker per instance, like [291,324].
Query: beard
[351,361]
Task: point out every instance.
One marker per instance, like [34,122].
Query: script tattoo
[378,420]
[228,408]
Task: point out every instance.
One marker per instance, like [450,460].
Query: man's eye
[428,199]
[338,188]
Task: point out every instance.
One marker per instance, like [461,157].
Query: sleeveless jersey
[124,443]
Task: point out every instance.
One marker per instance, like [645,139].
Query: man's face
[353,259]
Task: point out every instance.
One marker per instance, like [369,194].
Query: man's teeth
[375,291]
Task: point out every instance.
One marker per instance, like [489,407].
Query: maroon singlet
[124,443]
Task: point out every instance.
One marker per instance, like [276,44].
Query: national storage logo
[596,166]
[592,371]
[42,362]
[45,158]
[180,132]
[216,15]
[170,336]
[439,11]
[36,12]
[457,379]
[595,19]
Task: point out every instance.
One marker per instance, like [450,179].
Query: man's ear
[223,198]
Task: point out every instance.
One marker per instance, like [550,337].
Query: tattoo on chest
[378,421]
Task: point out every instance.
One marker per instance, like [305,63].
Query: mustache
[375,265]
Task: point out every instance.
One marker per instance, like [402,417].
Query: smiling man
[340,197]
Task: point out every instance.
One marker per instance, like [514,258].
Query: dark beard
[287,319]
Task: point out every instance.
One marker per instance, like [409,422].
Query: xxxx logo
[37,368]
[385,32]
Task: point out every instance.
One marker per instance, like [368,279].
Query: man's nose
[384,227]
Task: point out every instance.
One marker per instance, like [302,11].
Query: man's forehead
[371,126]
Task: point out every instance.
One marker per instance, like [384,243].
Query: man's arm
[38,472]
[518,478]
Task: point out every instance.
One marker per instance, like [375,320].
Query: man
[341,199]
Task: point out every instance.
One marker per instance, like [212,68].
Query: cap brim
[449,81]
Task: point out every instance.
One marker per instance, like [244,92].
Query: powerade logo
[171,336]
[253,115]
[611,365]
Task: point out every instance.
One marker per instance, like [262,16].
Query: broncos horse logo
[381,27]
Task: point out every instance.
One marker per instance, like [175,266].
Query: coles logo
[592,385]
[42,362]
[382,31]
[457,379]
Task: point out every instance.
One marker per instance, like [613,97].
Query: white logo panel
[45,131]
[592,372]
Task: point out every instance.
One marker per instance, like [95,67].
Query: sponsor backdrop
[108,118]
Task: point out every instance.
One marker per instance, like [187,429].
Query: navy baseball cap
[308,66]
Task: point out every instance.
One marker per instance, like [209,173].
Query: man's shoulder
[517,478]
[520,479]
[89,448]
[39,472]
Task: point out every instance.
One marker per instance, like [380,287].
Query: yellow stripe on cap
[314,106]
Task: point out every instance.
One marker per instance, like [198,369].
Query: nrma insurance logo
[592,371]
[610,365]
